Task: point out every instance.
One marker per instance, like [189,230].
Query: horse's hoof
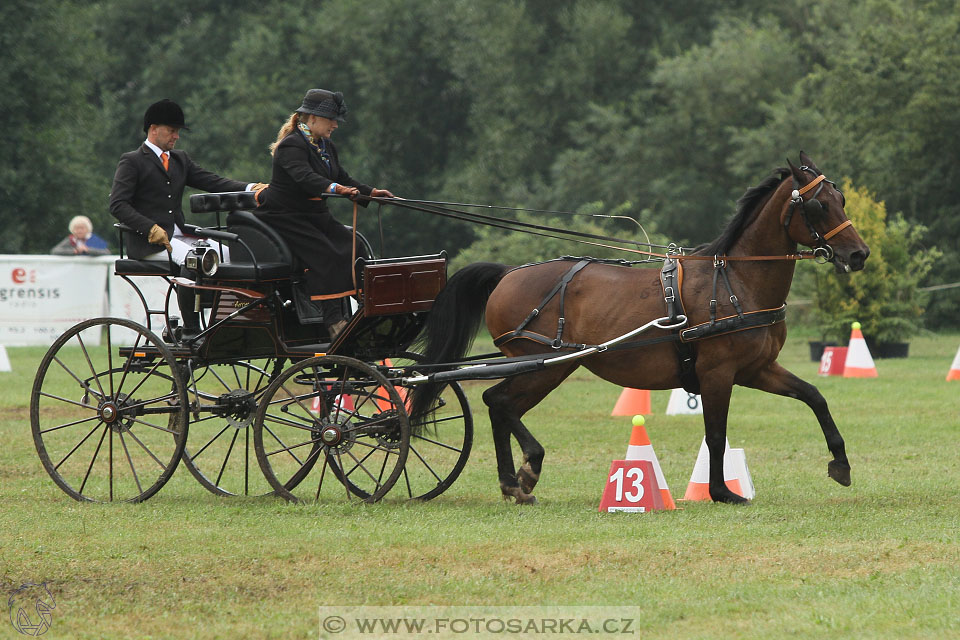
[839,471]
[527,479]
[728,497]
[517,494]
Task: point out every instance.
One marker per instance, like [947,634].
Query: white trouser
[182,245]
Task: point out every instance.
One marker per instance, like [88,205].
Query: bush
[884,297]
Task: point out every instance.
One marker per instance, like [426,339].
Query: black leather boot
[187,300]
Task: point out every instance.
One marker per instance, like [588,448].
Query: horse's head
[814,217]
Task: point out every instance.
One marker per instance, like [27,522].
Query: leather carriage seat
[273,258]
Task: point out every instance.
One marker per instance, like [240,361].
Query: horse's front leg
[776,379]
[716,404]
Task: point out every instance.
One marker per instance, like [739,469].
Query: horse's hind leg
[776,379]
[508,401]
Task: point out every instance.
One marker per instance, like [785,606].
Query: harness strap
[840,227]
[811,184]
[560,287]
[730,324]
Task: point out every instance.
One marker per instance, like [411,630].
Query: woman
[306,166]
[82,241]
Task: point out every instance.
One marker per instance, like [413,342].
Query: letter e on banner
[631,486]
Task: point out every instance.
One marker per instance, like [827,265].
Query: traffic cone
[641,449]
[859,362]
[5,360]
[954,373]
[382,398]
[684,403]
[735,474]
[340,403]
[632,402]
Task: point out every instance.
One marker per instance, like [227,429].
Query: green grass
[808,559]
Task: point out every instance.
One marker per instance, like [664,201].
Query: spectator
[82,241]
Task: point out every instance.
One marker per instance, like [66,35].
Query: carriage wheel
[440,447]
[101,421]
[338,417]
[223,400]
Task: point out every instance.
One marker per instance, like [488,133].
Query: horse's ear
[805,159]
[797,174]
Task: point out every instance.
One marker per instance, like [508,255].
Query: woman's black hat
[166,112]
[323,103]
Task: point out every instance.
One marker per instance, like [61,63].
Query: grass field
[808,559]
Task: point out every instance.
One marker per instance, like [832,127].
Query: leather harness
[671,278]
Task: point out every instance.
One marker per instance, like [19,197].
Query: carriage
[353,416]
[262,398]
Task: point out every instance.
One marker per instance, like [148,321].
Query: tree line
[663,111]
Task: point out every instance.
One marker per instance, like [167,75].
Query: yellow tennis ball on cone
[855,325]
[638,420]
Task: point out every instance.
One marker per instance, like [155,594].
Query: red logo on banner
[19,275]
[631,486]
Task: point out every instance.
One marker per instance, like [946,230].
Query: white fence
[43,296]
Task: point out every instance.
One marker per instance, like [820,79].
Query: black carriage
[262,401]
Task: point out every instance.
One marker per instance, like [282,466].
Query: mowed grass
[808,559]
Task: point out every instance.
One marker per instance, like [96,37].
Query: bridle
[811,207]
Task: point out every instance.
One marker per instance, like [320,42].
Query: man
[148,189]
[149,182]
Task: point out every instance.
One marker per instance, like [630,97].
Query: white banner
[43,296]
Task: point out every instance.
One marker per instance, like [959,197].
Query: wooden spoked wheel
[440,442]
[109,421]
[223,400]
[331,428]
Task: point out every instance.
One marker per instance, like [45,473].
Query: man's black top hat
[323,103]
[166,112]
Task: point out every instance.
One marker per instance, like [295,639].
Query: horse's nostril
[857,259]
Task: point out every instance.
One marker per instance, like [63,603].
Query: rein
[539,230]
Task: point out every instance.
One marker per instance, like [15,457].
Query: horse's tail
[452,326]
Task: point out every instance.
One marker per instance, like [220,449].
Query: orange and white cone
[632,402]
[954,373]
[736,475]
[641,449]
[859,362]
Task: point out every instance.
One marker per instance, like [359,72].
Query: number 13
[633,472]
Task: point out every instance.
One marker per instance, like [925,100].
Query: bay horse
[755,254]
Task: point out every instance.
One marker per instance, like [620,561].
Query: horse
[756,257]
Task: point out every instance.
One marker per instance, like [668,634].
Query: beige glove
[159,236]
[257,189]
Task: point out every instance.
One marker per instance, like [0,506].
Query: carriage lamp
[203,258]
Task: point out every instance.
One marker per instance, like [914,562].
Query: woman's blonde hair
[288,127]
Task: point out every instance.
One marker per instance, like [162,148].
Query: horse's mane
[747,206]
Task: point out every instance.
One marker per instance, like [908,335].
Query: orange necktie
[165,158]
